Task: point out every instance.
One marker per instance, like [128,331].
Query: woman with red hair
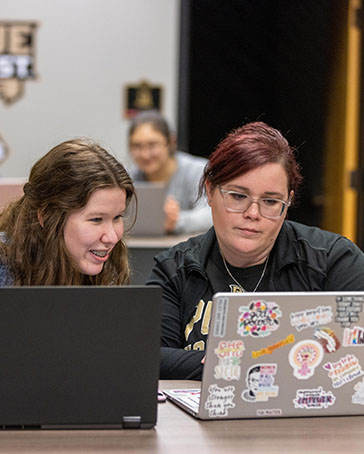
[250,181]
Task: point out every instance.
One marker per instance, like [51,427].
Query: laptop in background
[281,355]
[10,189]
[150,216]
[79,357]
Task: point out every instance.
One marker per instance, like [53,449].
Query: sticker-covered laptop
[281,355]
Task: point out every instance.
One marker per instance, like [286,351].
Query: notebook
[10,189]
[79,357]
[150,216]
[281,355]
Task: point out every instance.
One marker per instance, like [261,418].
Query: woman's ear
[40,218]
[208,190]
[291,195]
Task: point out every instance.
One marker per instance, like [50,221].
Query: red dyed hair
[247,148]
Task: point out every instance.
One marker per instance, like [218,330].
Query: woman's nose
[110,235]
[253,210]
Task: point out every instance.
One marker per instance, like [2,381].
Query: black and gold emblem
[142,96]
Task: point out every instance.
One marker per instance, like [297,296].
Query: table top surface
[165,241]
[178,432]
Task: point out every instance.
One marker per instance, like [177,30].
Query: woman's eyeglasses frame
[225,192]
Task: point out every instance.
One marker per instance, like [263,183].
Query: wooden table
[177,433]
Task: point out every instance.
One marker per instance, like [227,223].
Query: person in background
[67,228]
[250,180]
[155,159]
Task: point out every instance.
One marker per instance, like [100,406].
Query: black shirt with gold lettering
[303,258]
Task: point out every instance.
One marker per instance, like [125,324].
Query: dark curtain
[269,60]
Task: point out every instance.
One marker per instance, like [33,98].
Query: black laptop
[79,357]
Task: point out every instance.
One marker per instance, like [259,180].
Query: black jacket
[303,259]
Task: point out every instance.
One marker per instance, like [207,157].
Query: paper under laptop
[79,357]
[150,215]
[281,355]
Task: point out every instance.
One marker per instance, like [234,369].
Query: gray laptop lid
[284,354]
[79,357]
[150,216]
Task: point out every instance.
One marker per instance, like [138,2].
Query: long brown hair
[60,182]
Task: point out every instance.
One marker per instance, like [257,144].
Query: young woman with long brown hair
[68,227]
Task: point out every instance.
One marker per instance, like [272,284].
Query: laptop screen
[150,215]
[79,356]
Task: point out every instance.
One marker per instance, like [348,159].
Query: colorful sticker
[310,318]
[358,396]
[260,383]
[343,371]
[222,304]
[313,398]
[327,339]
[269,412]
[348,309]
[270,349]
[353,337]
[229,354]
[304,357]
[220,400]
[260,318]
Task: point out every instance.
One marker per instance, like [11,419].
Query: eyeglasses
[150,146]
[237,202]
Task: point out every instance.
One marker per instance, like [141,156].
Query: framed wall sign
[17,58]
[142,96]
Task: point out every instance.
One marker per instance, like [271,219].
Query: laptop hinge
[132,422]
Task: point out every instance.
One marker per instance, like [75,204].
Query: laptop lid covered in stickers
[284,355]
[79,357]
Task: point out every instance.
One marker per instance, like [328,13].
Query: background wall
[86,51]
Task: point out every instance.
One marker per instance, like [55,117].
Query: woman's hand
[171,211]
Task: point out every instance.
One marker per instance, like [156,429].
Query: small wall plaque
[143,96]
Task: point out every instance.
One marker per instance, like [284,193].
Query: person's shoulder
[5,276]
[186,159]
[193,249]
[189,244]
[4,270]
[311,234]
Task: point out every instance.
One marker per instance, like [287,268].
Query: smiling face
[246,238]
[149,149]
[92,232]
